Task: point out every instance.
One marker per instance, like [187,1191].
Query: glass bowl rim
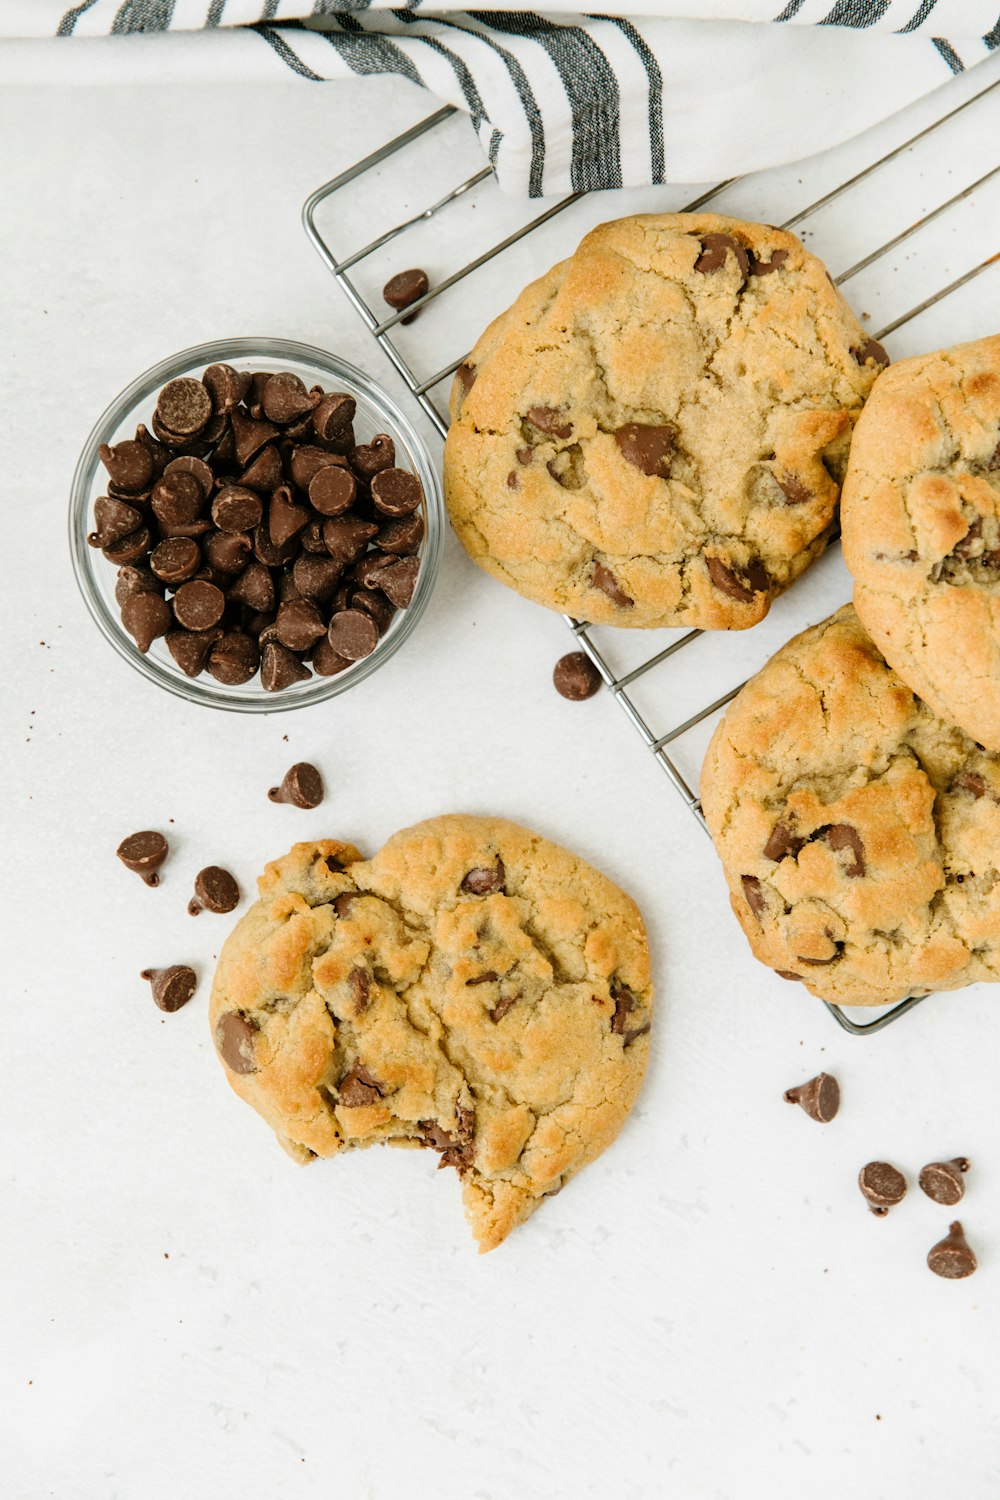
[83,557]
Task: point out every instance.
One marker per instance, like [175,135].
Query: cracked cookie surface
[859,833]
[921,524]
[473,989]
[656,431]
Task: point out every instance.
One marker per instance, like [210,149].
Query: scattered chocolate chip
[952,1257]
[146,616]
[647,447]
[602,578]
[882,1185]
[302,786]
[550,419]
[715,248]
[352,634]
[754,895]
[214,890]
[871,352]
[369,459]
[143,854]
[842,836]
[199,605]
[781,842]
[740,584]
[794,491]
[943,1180]
[235,1039]
[359,985]
[484,880]
[234,658]
[575,676]
[406,287]
[358,1088]
[171,987]
[820,1097]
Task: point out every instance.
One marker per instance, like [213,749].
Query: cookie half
[472,989]
[859,833]
[921,520]
[655,433]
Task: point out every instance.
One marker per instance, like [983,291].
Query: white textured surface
[708,1311]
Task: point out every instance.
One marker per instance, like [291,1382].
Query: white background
[708,1311]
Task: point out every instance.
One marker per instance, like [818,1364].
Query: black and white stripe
[559,101]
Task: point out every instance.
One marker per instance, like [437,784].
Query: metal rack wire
[622,684]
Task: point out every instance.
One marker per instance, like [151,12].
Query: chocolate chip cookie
[472,989]
[921,519]
[656,432]
[859,833]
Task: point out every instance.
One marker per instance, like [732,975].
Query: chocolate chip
[130,548]
[760,267]
[503,1005]
[602,578]
[175,560]
[715,248]
[466,377]
[795,492]
[299,624]
[214,890]
[781,842]
[307,461]
[285,519]
[943,1180]
[882,1185]
[635,1032]
[372,458]
[406,287]
[754,895]
[249,436]
[315,577]
[342,904]
[742,584]
[226,387]
[485,978]
[113,521]
[647,447]
[254,588]
[198,470]
[396,492]
[359,985]
[484,880]
[266,552]
[358,1088]
[285,398]
[171,987]
[788,974]
[146,617]
[143,854]
[279,668]
[333,416]
[871,352]
[237,509]
[264,474]
[199,605]
[332,490]
[575,676]
[525,454]
[456,1149]
[952,1257]
[843,836]
[184,407]
[625,1002]
[324,660]
[971,782]
[402,536]
[347,537]
[190,648]
[235,1039]
[234,658]
[397,579]
[550,419]
[129,464]
[302,786]
[227,551]
[352,634]
[136,581]
[820,1097]
[373,602]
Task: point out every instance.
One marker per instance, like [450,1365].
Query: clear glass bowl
[97,577]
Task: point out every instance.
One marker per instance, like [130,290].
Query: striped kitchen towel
[664,90]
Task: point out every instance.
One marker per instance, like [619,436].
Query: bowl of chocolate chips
[255,525]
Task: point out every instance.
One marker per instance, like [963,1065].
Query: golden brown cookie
[473,989]
[656,431]
[921,520]
[859,833]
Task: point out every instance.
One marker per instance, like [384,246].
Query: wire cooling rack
[925,271]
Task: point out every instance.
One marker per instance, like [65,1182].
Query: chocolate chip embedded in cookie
[472,989]
[921,522]
[655,433]
[858,831]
